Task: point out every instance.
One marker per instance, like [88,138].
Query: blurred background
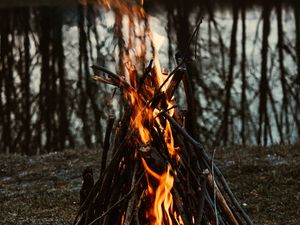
[244,64]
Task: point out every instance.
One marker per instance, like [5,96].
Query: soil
[45,189]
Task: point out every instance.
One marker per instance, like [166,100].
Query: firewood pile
[158,173]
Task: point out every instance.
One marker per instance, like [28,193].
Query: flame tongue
[163,200]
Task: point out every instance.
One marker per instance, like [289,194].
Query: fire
[163,200]
[161,211]
[140,117]
[143,115]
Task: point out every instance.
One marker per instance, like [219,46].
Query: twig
[202,198]
[180,207]
[97,185]
[119,201]
[222,202]
[106,145]
[116,78]
[214,186]
[129,211]
[104,80]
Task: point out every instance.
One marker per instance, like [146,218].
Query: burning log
[158,174]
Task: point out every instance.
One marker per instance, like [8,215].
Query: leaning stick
[221,201]
[109,127]
[199,146]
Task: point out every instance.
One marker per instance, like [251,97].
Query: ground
[45,189]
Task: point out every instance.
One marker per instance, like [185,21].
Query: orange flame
[163,199]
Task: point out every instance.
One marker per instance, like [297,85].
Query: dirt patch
[45,189]
[265,180]
[42,189]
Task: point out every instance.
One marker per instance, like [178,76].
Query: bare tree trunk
[26,86]
[91,88]
[229,81]
[285,111]
[83,97]
[64,132]
[2,74]
[183,34]
[170,37]
[273,105]
[263,86]
[244,79]
[297,24]
[221,42]
[52,107]
[45,91]
[210,36]
[7,76]
[1,92]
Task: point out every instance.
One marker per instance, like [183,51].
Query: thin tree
[297,24]
[229,81]
[80,83]
[244,77]
[263,85]
[183,33]
[26,85]
[7,76]
[65,134]
[285,111]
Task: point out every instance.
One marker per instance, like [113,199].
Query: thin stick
[119,201]
[214,186]
[180,207]
[106,145]
[129,211]
[222,202]
[202,197]
[115,77]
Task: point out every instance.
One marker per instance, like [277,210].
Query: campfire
[158,174]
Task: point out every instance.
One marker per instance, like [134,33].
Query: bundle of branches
[158,174]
